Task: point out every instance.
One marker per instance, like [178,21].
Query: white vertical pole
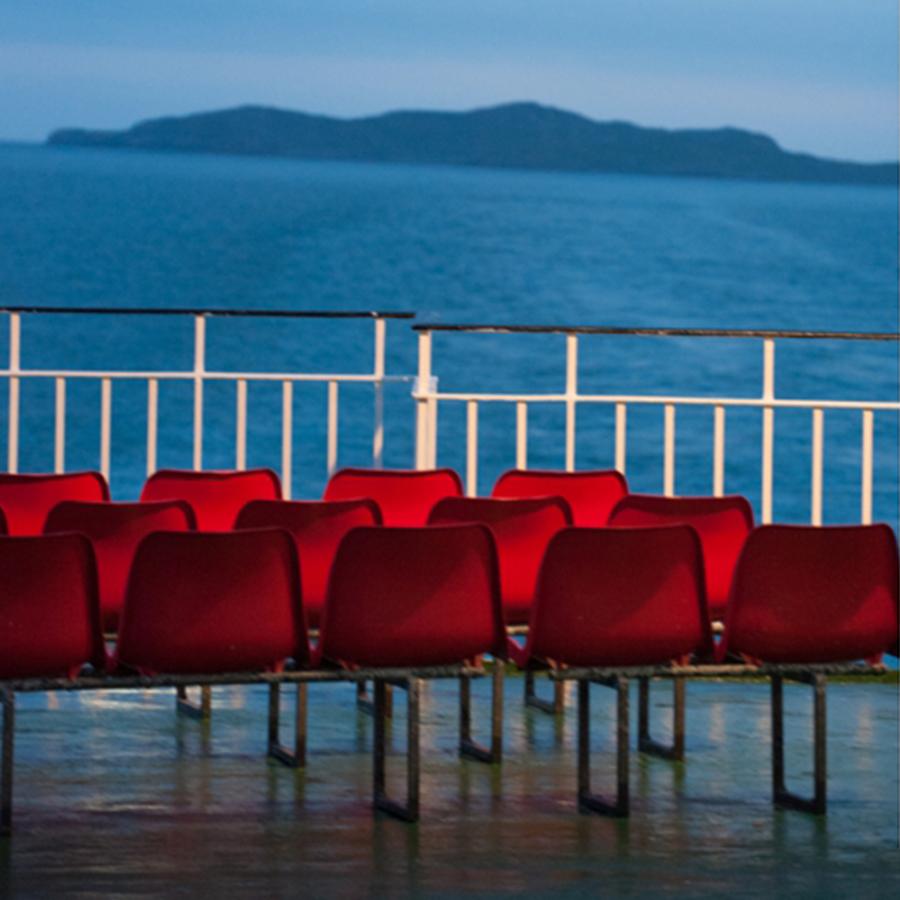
[240,428]
[59,437]
[669,451]
[868,442]
[571,394]
[199,367]
[719,451]
[152,418]
[521,435]
[621,435]
[768,431]
[432,432]
[423,388]
[287,437]
[818,446]
[378,384]
[15,348]
[472,448]
[332,427]
[105,424]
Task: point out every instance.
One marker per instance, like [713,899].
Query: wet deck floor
[117,796]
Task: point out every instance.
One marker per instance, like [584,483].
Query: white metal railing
[428,396]
[198,375]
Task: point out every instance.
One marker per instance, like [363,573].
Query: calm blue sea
[91,227]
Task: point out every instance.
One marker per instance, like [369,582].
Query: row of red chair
[206,602]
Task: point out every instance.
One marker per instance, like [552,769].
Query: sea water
[126,229]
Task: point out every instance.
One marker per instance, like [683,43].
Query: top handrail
[659,332]
[213,311]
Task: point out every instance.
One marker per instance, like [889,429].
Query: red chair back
[522,530]
[49,611]
[404,496]
[115,530]
[805,594]
[216,497]
[318,527]
[212,603]
[413,597]
[722,523]
[26,499]
[620,597]
[591,495]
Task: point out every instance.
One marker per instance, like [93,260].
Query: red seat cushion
[115,530]
[413,597]
[591,495]
[522,530]
[26,499]
[805,594]
[318,527]
[722,524]
[49,611]
[216,497]
[404,496]
[212,603]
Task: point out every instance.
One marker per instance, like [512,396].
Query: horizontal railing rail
[428,396]
[199,376]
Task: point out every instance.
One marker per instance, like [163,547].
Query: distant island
[514,135]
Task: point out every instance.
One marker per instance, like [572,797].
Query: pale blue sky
[818,75]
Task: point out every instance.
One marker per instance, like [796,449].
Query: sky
[820,76]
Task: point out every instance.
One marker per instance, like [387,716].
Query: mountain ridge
[521,135]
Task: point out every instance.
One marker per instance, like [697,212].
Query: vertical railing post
[621,436]
[199,369]
[719,451]
[152,419]
[472,448]
[240,425]
[423,389]
[768,428]
[818,447]
[332,447]
[571,397]
[105,425]
[15,359]
[287,438]
[378,385]
[865,502]
[59,436]
[521,435]
[669,450]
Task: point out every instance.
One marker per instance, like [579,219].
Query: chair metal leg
[409,811]
[6,767]
[646,744]
[468,747]
[295,758]
[364,703]
[201,710]
[594,802]
[781,796]
[554,707]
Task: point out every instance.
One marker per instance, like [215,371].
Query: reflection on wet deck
[115,793]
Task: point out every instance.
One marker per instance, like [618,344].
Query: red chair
[216,497]
[3,527]
[522,529]
[804,594]
[722,523]
[115,530]
[49,610]
[590,494]
[317,528]
[404,496]
[26,499]
[618,598]
[212,603]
